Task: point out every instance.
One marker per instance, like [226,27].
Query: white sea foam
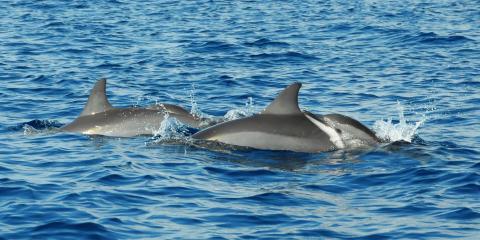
[334,136]
[404,130]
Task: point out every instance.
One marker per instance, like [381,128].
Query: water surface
[371,60]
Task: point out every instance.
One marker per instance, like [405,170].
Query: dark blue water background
[371,60]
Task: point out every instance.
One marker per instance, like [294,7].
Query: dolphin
[99,117]
[283,126]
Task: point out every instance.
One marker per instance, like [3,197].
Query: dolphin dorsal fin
[97,101]
[286,102]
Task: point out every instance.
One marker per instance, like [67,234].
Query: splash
[402,131]
[170,130]
[29,130]
[245,111]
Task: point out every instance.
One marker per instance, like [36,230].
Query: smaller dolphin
[283,126]
[99,117]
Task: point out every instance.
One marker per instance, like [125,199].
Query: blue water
[371,60]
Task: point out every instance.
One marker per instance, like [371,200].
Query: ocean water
[410,70]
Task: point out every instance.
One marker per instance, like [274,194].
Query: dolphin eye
[338,131]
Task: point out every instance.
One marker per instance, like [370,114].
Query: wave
[469,188]
[431,38]
[265,42]
[117,179]
[62,229]
[245,220]
[213,46]
[287,56]
[462,213]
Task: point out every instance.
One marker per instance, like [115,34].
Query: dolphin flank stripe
[331,132]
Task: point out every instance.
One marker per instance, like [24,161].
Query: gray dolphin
[99,117]
[283,126]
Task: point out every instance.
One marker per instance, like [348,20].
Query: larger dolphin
[283,126]
[99,117]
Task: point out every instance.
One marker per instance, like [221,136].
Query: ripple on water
[240,175]
[246,220]
[321,232]
[213,46]
[418,208]
[12,193]
[265,42]
[432,38]
[334,189]
[476,166]
[176,192]
[284,56]
[276,199]
[5,169]
[469,188]
[119,180]
[462,214]
[417,176]
[428,39]
[85,230]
